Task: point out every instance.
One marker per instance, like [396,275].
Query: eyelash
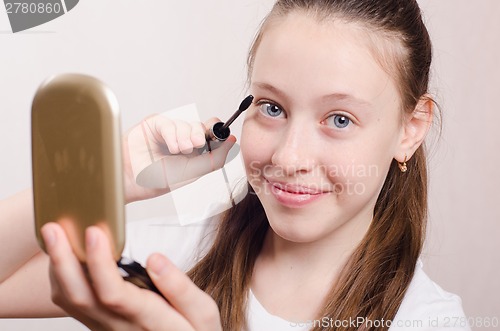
[267,102]
[342,116]
[339,116]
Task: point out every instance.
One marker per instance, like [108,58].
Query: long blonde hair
[373,282]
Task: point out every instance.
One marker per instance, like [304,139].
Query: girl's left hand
[104,301]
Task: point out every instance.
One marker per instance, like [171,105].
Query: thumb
[219,155]
[196,306]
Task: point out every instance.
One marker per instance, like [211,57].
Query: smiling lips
[295,196]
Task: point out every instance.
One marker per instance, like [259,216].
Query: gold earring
[402,166]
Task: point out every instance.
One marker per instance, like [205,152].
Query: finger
[198,134]
[165,129]
[200,165]
[70,288]
[218,155]
[195,305]
[69,283]
[109,286]
[143,307]
[211,121]
[183,133]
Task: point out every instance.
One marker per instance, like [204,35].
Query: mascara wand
[220,131]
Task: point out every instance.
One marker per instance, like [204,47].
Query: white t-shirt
[425,307]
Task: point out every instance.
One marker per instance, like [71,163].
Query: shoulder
[426,306]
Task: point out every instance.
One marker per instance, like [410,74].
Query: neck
[305,261]
[300,274]
[324,256]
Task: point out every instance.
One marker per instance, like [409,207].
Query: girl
[331,232]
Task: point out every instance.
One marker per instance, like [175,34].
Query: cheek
[356,179]
[255,152]
[360,167]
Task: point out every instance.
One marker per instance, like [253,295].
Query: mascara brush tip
[246,103]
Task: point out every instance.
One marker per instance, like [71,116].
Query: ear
[415,128]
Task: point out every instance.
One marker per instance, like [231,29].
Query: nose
[295,153]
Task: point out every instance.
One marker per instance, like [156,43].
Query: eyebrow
[333,96]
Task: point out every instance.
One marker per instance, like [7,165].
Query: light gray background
[157,55]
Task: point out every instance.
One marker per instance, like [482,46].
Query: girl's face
[324,127]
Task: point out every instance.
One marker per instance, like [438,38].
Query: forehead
[300,54]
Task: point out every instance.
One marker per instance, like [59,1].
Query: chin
[297,226]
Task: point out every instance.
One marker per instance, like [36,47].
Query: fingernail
[91,238]
[157,265]
[49,235]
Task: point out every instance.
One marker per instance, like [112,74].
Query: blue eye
[271,109]
[340,121]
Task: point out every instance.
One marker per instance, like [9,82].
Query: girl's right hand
[167,152]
